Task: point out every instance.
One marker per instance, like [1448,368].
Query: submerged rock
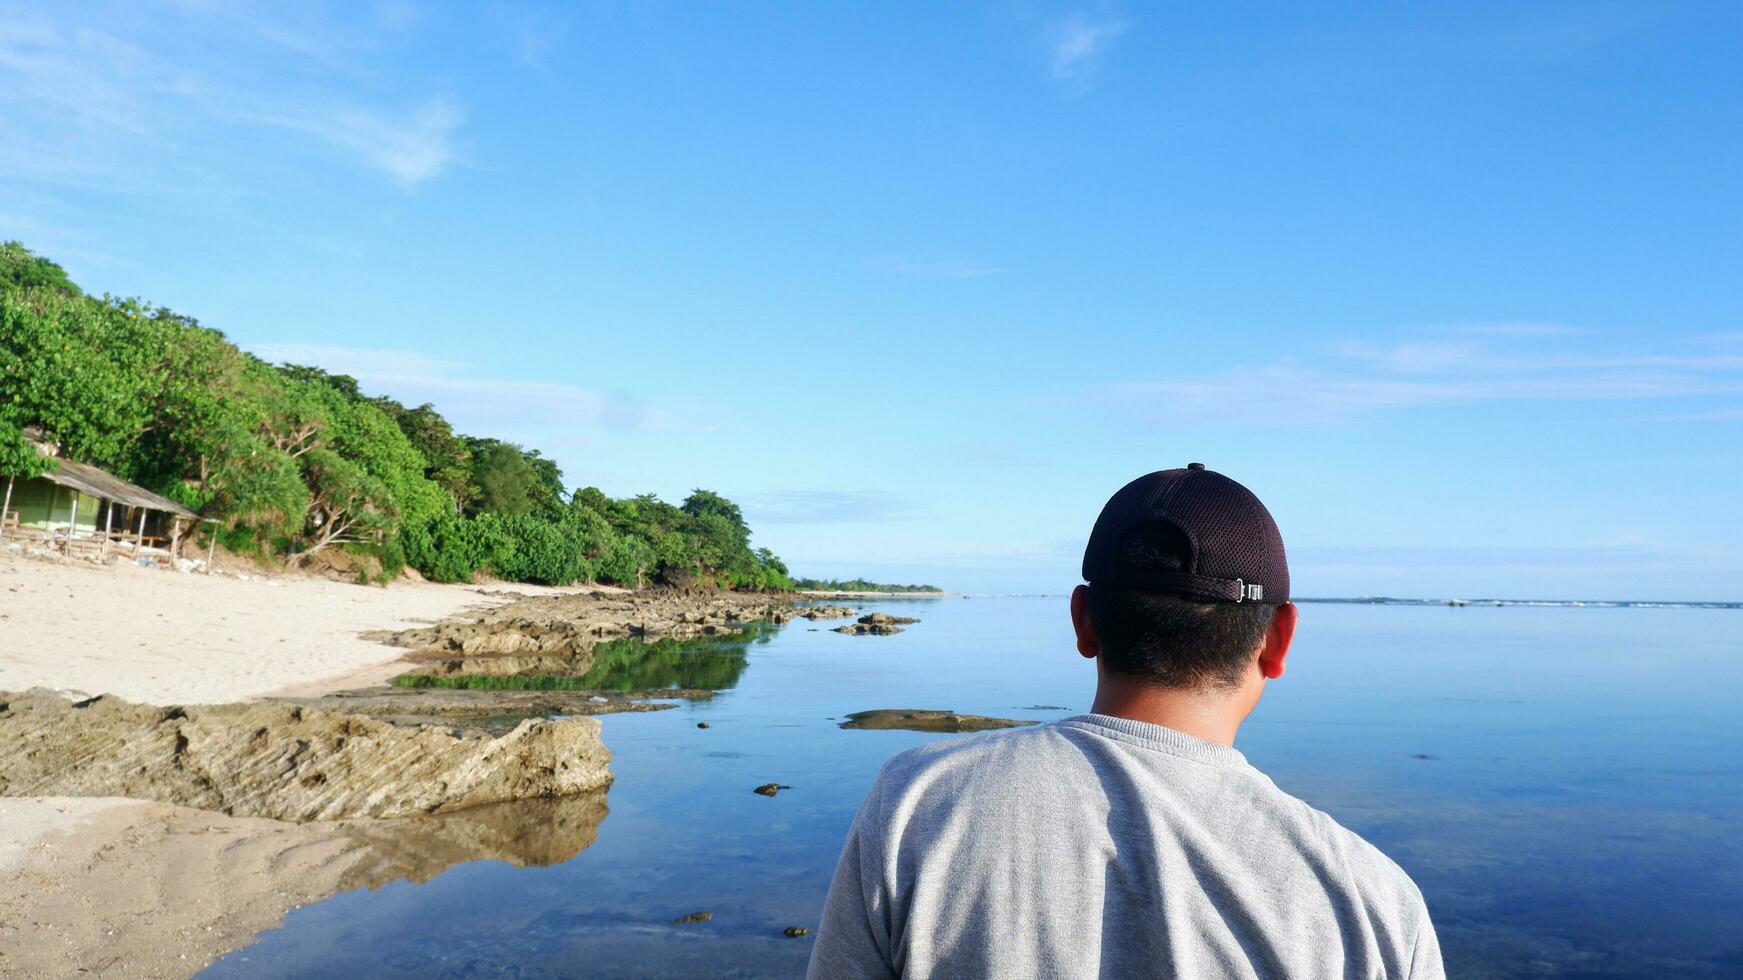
[794,932]
[284,761]
[922,720]
[868,629]
[876,624]
[769,789]
[693,917]
[885,619]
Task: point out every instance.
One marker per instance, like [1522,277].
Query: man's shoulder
[1361,859]
[1010,750]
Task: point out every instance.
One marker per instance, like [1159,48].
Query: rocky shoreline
[567,624]
[286,762]
[452,733]
[481,746]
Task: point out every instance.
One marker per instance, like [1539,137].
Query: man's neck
[1214,716]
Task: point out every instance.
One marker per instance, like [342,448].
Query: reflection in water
[635,665]
[1580,817]
[627,664]
[525,833]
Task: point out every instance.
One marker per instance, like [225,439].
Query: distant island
[856,585]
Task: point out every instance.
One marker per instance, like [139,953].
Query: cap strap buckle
[1189,584]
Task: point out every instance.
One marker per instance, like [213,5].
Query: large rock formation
[288,762]
[561,625]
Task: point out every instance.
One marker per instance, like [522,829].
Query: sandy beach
[121,887]
[167,638]
[130,888]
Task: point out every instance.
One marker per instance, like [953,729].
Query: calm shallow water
[1565,785]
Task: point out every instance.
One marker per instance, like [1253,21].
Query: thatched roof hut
[79,502]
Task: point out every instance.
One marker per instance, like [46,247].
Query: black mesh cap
[1235,553]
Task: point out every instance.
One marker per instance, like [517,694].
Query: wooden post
[139,539]
[108,529]
[73,524]
[212,550]
[175,538]
[6,507]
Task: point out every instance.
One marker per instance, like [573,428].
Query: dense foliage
[857,585]
[294,460]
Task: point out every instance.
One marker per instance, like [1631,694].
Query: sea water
[1564,784]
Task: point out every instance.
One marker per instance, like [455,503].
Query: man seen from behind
[1133,841]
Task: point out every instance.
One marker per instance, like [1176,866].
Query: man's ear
[1277,638]
[1087,643]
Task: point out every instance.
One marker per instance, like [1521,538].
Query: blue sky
[1454,289]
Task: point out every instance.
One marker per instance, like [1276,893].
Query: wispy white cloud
[1439,357]
[362,362]
[79,105]
[826,506]
[1366,379]
[411,146]
[535,411]
[51,240]
[1632,555]
[1717,415]
[1077,44]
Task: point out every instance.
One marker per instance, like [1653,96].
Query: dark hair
[1168,640]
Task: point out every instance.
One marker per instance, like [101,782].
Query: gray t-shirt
[1103,847]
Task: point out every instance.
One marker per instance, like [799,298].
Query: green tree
[19,269]
[502,480]
[705,503]
[447,460]
[296,459]
[548,498]
[593,499]
[71,367]
[347,504]
[627,561]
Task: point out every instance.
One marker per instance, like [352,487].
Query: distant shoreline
[1530,603]
[831,594]
[1455,603]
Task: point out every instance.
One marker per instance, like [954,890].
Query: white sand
[162,637]
[128,888]
[118,887]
